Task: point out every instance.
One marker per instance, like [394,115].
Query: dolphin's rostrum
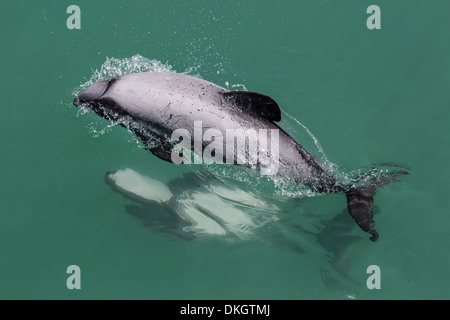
[157,104]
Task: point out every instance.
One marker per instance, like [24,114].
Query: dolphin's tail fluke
[360,195]
[360,204]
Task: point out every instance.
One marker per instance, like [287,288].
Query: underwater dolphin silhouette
[153,105]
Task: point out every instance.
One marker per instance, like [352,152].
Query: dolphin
[154,105]
[191,207]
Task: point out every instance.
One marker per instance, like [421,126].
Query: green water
[369,96]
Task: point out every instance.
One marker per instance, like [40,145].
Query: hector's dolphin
[154,105]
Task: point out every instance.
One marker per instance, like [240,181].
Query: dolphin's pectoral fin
[164,152]
[156,144]
[360,203]
[260,104]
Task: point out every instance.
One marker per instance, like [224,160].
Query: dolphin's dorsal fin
[260,104]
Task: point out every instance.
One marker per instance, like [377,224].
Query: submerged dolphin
[191,207]
[154,105]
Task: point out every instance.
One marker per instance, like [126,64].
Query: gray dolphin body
[160,103]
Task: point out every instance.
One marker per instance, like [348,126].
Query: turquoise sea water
[368,96]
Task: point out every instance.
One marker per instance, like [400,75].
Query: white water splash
[114,67]
[323,157]
[241,87]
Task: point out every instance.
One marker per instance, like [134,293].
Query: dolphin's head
[95,98]
[93,92]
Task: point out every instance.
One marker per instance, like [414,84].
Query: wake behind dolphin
[156,105]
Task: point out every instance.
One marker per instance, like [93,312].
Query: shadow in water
[200,207]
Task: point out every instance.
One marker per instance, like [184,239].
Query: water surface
[368,96]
